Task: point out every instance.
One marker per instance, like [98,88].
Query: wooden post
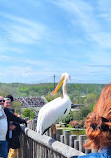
[67,133]
[62,138]
[71,140]
[76,144]
[82,138]
[29,125]
[58,133]
[34,124]
[53,131]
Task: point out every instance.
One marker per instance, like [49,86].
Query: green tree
[89,103]
[17,107]
[49,97]
[91,100]
[28,113]
[68,118]
[81,114]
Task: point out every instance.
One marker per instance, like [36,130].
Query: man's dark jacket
[14,141]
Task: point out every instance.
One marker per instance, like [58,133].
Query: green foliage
[7,88]
[68,118]
[78,92]
[88,102]
[69,125]
[81,115]
[49,97]
[28,113]
[78,132]
[26,90]
[32,115]
[75,131]
[91,100]
[17,106]
[75,91]
[2,93]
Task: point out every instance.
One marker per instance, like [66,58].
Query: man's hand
[28,121]
[12,127]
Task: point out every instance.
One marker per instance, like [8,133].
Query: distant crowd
[30,101]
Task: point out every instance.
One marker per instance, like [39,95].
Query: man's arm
[12,117]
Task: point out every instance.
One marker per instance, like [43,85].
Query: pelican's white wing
[52,112]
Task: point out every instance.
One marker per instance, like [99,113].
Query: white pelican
[55,110]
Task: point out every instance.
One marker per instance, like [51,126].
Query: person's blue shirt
[103,153]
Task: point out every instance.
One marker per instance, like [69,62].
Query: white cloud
[104,39]
[21,30]
[85,15]
[25,74]
[80,11]
[23,61]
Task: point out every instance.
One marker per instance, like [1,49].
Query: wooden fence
[34,145]
[67,138]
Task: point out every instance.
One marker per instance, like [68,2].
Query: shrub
[28,113]
[73,123]
[81,123]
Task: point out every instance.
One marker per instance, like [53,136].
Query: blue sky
[40,38]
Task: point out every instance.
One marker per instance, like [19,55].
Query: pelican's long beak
[57,87]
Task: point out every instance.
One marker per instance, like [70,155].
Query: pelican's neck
[64,89]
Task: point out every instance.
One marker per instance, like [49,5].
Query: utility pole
[54,80]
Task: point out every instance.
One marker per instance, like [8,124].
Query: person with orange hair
[98,127]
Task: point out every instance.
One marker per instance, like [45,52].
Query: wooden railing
[34,145]
[65,137]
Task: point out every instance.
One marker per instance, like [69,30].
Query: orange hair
[98,138]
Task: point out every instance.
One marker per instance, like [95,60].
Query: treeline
[27,90]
